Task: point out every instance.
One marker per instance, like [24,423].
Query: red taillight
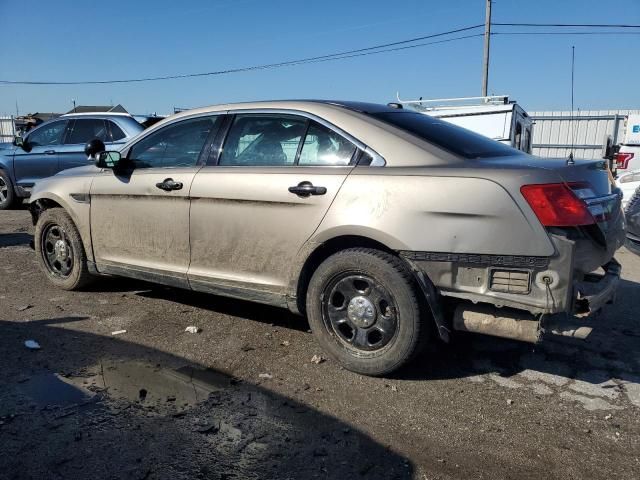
[623,159]
[556,205]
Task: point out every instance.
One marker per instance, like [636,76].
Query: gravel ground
[243,398]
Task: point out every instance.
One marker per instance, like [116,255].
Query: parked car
[384,226]
[632,213]
[57,145]
[628,182]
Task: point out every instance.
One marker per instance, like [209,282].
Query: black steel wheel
[57,251]
[60,250]
[365,309]
[361,312]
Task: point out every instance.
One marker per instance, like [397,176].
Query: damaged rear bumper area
[521,297]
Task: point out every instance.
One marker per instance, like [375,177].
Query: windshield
[445,135]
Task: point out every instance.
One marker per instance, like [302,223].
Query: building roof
[98,108]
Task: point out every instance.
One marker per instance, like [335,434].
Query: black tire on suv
[7,195]
[60,251]
[364,307]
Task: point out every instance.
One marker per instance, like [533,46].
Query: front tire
[60,251]
[7,195]
[364,308]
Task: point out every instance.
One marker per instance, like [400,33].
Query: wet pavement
[243,398]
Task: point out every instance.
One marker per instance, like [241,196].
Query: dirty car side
[433,203]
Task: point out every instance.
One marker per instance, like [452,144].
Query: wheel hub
[60,248]
[361,312]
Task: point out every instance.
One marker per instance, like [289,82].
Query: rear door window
[457,140]
[85,129]
[263,140]
[115,132]
[323,146]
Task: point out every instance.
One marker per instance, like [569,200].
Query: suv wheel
[60,250]
[364,309]
[7,195]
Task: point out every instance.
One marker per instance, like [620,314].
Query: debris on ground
[32,345]
[192,329]
[509,401]
[285,343]
[268,376]
[22,308]
[608,417]
[394,388]
[118,332]
[317,359]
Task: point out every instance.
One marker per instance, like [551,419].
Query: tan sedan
[383,225]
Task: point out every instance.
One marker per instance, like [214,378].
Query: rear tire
[60,251]
[365,311]
[7,195]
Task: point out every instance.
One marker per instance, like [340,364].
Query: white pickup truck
[628,157]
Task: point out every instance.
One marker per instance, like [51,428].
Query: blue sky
[67,40]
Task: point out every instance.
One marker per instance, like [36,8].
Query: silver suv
[385,227]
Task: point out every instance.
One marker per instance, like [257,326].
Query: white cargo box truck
[495,117]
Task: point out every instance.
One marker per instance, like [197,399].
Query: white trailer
[495,117]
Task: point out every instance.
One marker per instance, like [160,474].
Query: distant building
[98,108]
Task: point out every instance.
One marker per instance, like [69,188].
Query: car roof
[308,105]
[95,114]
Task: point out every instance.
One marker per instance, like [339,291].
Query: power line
[321,58]
[565,33]
[566,25]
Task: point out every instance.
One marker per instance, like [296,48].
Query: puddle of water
[150,385]
[133,381]
[51,389]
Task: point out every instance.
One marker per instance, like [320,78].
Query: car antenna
[570,160]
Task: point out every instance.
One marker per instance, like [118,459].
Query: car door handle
[49,152]
[168,184]
[306,189]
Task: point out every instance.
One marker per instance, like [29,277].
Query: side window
[50,134]
[115,132]
[323,146]
[177,145]
[263,140]
[517,138]
[85,129]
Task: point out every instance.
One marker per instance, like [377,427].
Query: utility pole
[487,41]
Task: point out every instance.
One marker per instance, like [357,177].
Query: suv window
[177,145]
[323,146]
[50,134]
[115,131]
[85,129]
[263,140]
[445,135]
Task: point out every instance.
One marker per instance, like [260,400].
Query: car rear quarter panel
[434,211]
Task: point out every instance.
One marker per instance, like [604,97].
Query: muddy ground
[242,398]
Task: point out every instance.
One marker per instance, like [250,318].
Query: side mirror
[94,147]
[18,141]
[108,160]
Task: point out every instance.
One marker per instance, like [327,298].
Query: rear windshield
[447,136]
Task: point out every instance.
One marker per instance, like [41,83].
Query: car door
[251,212]
[140,211]
[40,158]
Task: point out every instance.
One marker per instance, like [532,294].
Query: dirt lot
[242,399]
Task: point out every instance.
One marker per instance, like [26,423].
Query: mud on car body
[384,227]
